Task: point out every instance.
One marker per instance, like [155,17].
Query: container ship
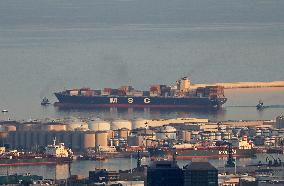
[54,154]
[189,151]
[180,95]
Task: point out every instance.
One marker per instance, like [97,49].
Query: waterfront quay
[187,139]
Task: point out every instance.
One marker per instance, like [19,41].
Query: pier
[232,85]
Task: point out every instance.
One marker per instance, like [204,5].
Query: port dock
[232,85]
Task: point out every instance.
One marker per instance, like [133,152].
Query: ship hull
[34,161]
[210,153]
[67,101]
[214,153]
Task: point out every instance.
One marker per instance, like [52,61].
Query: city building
[164,173]
[279,122]
[201,174]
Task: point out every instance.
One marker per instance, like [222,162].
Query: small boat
[45,101]
[4,111]
[260,105]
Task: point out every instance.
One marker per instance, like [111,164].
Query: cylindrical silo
[50,138]
[10,128]
[139,123]
[76,138]
[42,135]
[119,124]
[218,136]
[28,144]
[212,136]
[54,127]
[123,133]
[59,136]
[166,132]
[99,125]
[73,125]
[186,136]
[89,139]
[3,138]
[35,139]
[101,138]
[67,139]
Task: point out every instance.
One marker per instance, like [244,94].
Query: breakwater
[244,84]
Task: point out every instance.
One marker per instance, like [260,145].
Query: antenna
[54,141]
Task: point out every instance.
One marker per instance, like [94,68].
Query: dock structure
[232,85]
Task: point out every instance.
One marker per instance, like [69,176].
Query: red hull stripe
[72,105]
[26,163]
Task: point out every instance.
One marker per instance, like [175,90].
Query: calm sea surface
[50,45]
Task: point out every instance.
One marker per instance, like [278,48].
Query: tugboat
[260,105]
[45,101]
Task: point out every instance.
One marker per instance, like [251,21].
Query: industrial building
[164,173]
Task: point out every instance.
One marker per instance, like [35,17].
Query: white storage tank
[10,128]
[101,138]
[258,132]
[167,132]
[139,123]
[73,125]
[119,124]
[99,125]
[89,139]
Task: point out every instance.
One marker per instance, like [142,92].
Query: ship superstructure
[180,95]
[58,151]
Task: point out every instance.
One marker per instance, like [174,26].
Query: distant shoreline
[234,85]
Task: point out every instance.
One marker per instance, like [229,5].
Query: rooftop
[200,166]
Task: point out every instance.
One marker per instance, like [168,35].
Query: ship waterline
[67,101]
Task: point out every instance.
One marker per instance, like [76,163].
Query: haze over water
[48,45]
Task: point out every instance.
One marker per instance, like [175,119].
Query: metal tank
[212,136]
[89,139]
[67,139]
[26,126]
[50,138]
[99,125]
[73,125]
[28,143]
[226,135]
[42,135]
[101,138]
[266,133]
[258,132]
[59,136]
[3,138]
[54,127]
[218,136]
[166,132]
[139,123]
[186,136]
[135,140]
[22,139]
[119,124]
[10,128]
[76,139]
[35,139]
[123,133]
